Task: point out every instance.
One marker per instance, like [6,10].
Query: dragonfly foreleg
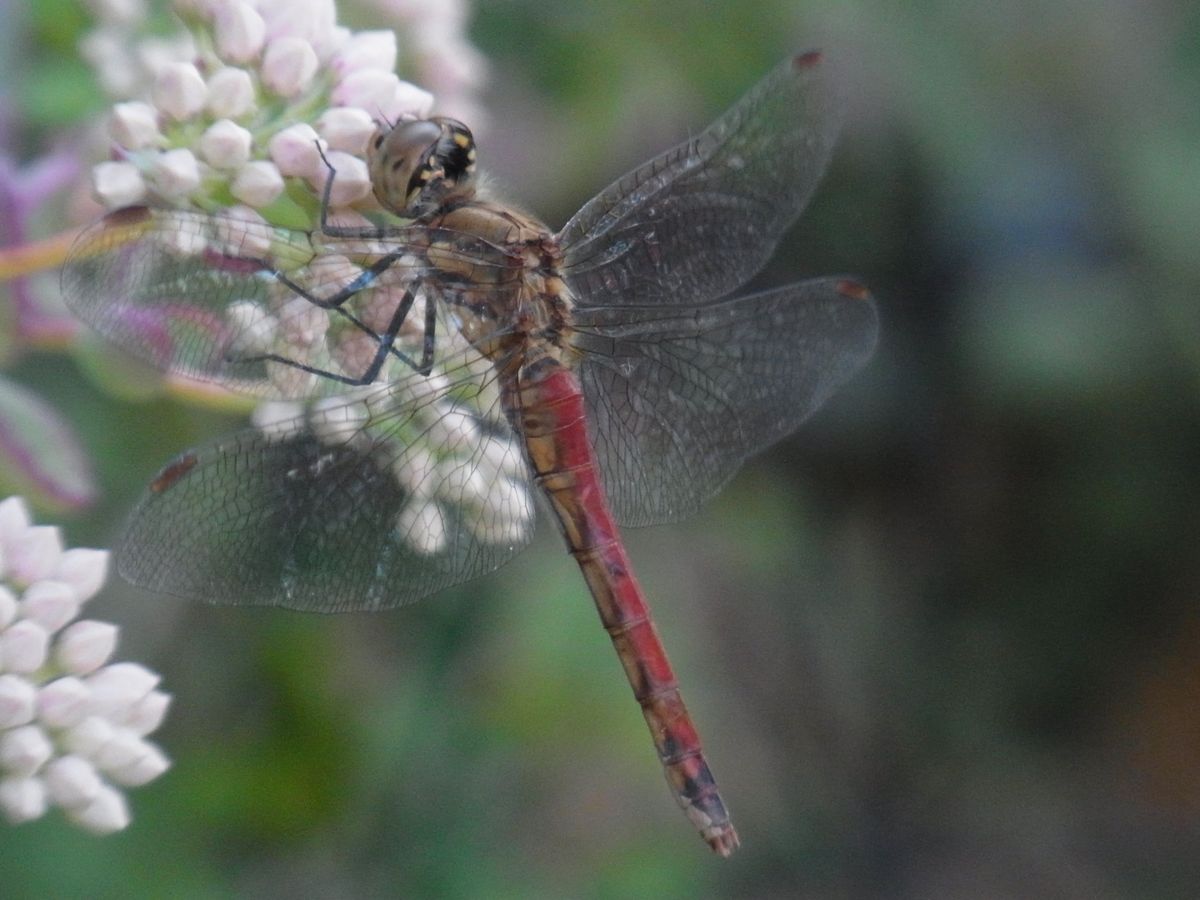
[342,231]
[387,340]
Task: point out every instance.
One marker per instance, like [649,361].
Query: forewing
[698,221]
[248,304]
[678,398]
[362,502]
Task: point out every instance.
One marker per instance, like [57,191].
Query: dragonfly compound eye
[419,165]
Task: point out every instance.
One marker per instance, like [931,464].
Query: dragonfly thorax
[418,166]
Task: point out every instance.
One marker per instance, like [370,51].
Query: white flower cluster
[230,112]
[72,725]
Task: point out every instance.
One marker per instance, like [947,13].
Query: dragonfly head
[419,165]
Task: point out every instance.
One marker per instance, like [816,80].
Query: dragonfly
[427,376]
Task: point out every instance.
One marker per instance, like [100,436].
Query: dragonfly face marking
[421,165]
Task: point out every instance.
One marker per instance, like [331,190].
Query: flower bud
[369,89]
[257,183]
[24,750]
[107,813]
[225,145]
[84,569]
[8,606]
[22,799]
[231,93]
[294,150]
[175,173]
[366,50]
[134,126]
[23,646]
[422,525]
[180,91]
[240,32]
[87,737]
[288,66]
[117,184]
[351,181]
[64,702]
[119,686]
[72,781]
[408,100]
[50,603]
[151,763]
[85,646]
[34,554]
[346,128]
[17,699]
[148,713]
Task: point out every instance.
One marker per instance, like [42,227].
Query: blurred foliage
[945,641]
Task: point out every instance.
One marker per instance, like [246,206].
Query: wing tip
[802,62]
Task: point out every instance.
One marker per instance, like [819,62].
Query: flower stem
[36,256]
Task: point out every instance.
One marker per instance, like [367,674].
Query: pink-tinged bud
[84,569]
[154,53]
[288,66]
[8,606]
[369,89]
[278,418]
[85,646]
[257,183]
[231,93]
[148,713]
[346,128]
[303,324]
[366,50]
[134,126]
[225,145]
[17,700]
[87,737]
[240,32]
[294,150]
[34,554]
[119,686]
[22,799]
[117,184]
[72,781]
[24,750]
[14,519]
[175,174]
[23,646]
[180,91]
[408,100]
[236,232]
[125,749]
[351,181]
[423,526]
[149,765]
[106,814]
[51,604]
[64,702]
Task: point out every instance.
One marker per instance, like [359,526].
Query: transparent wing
[258,307]
[678,398]
[696,222]
[360,502]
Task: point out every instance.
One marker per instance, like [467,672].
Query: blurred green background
[943,642]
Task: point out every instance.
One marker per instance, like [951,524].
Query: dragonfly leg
[387,341]
[342,231]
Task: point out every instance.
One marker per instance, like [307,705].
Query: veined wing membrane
[678,398]
[360,502]
[696,222]
[251,305]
